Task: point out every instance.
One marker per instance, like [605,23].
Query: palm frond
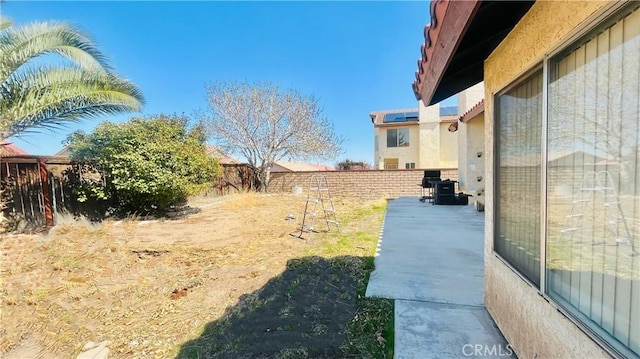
[49,97]
[18,46]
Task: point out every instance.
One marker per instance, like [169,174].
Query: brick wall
[365,184]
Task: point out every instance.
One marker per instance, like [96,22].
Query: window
[591,267]
[398,137]
[593,188]
[376,142]
[519,168]
[410,165]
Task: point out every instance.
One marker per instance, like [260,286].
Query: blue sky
[355,57]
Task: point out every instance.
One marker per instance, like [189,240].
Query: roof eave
[396,124]
[449,22]
[461,35]
[476,110]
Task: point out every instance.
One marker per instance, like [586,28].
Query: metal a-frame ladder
[319,198]
[598,183]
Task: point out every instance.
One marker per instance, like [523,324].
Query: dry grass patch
[150,286]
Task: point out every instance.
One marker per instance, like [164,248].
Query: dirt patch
[151,286]
[305,310]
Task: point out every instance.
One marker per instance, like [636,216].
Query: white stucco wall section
[470,97]
[471,158]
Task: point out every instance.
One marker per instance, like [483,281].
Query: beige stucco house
[562,177]
[414,138]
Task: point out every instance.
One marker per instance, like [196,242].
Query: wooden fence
[36,191]
[235,178]
[33,189]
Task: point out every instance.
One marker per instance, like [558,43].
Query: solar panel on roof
[393,117]
[449,111]
[401,117]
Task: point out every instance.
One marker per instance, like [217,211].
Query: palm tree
[34,94]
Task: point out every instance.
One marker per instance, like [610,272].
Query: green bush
[142,166]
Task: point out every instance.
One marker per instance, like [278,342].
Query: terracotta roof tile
[9,149]
[473,112]
[451,18]
[438,9]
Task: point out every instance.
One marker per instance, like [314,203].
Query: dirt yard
[228,282]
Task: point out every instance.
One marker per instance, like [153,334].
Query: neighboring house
[8,149]
[284,166]
[414,138]
[222,157]
[562,260]
[64,152]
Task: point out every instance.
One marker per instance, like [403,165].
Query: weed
[319,329]
[294,285]
[40,294]
[290,326]
[293,353]
[285,312]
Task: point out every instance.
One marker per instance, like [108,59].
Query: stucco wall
[438,146]
[462,156]
[429,145]
[373,184]
[448,149]
[429,136]
[403,154]
[534,328]
[378,162]
[428,114]
[470,97]
[471,166]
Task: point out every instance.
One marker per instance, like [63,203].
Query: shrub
[142,166]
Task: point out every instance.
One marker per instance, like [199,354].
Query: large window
[591,263]
[518,187]
[398,137]
[593,187]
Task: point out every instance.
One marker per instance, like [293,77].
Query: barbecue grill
[445,192]
[430,176]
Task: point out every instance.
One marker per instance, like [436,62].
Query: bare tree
[265,125]
[348,165]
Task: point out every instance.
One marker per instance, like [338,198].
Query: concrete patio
[430,260]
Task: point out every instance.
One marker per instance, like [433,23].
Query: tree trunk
[263,179]
[267,178]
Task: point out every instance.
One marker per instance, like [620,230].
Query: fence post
[46,193]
